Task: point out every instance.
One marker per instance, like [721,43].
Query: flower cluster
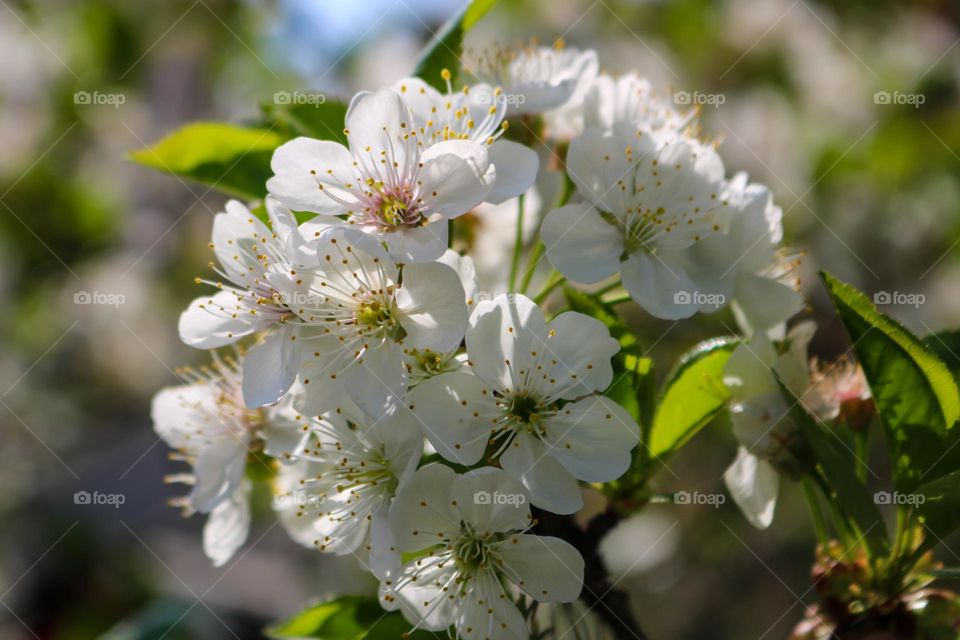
[399,417]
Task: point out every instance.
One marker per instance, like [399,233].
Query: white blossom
[745,263]
[251,259]
[359,320]
[536,79]
[761,416]
[210,427]
[389,182]
[336,495]
[476,113]
[646,203]
[530,397]
[475,555]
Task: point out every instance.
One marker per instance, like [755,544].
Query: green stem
[563,196]
[616,284]
[619,299]
[517,246]
[819,524]
[555,280]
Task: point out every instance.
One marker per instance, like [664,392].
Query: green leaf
[446,47]
[232,159]
[630,369]
[692,396]
[915,392]
[940,509]
[323,121]
[946,344]
[592,306]
[347,618]
[850,493]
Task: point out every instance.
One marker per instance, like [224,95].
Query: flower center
[429,361]
[377,317]
[524,409]
[472,553]
[395,210]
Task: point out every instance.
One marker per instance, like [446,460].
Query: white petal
[597,163]
[212,322]
[235,232]
[592,438]
[283,434]
[433,306]
[181,414]
[664,290]
[579,348]
[754,484]
[491,501]
[517,167]
[310,175]
[421,512]
[270,367]
[402,438]
[419,244]
[294,503]
[507,329]
[551,486]
[378,122]
[384,556]
[548,569]
[422,601]
[748,372]
[227,526]
[377,380]
[466,270]
[456,175]
[581,244]
[219,470]
[419,96]
[488,615]
[765,303]
[446,405]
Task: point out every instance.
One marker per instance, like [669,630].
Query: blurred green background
[97,259]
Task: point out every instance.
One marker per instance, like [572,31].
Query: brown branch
[599,593]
